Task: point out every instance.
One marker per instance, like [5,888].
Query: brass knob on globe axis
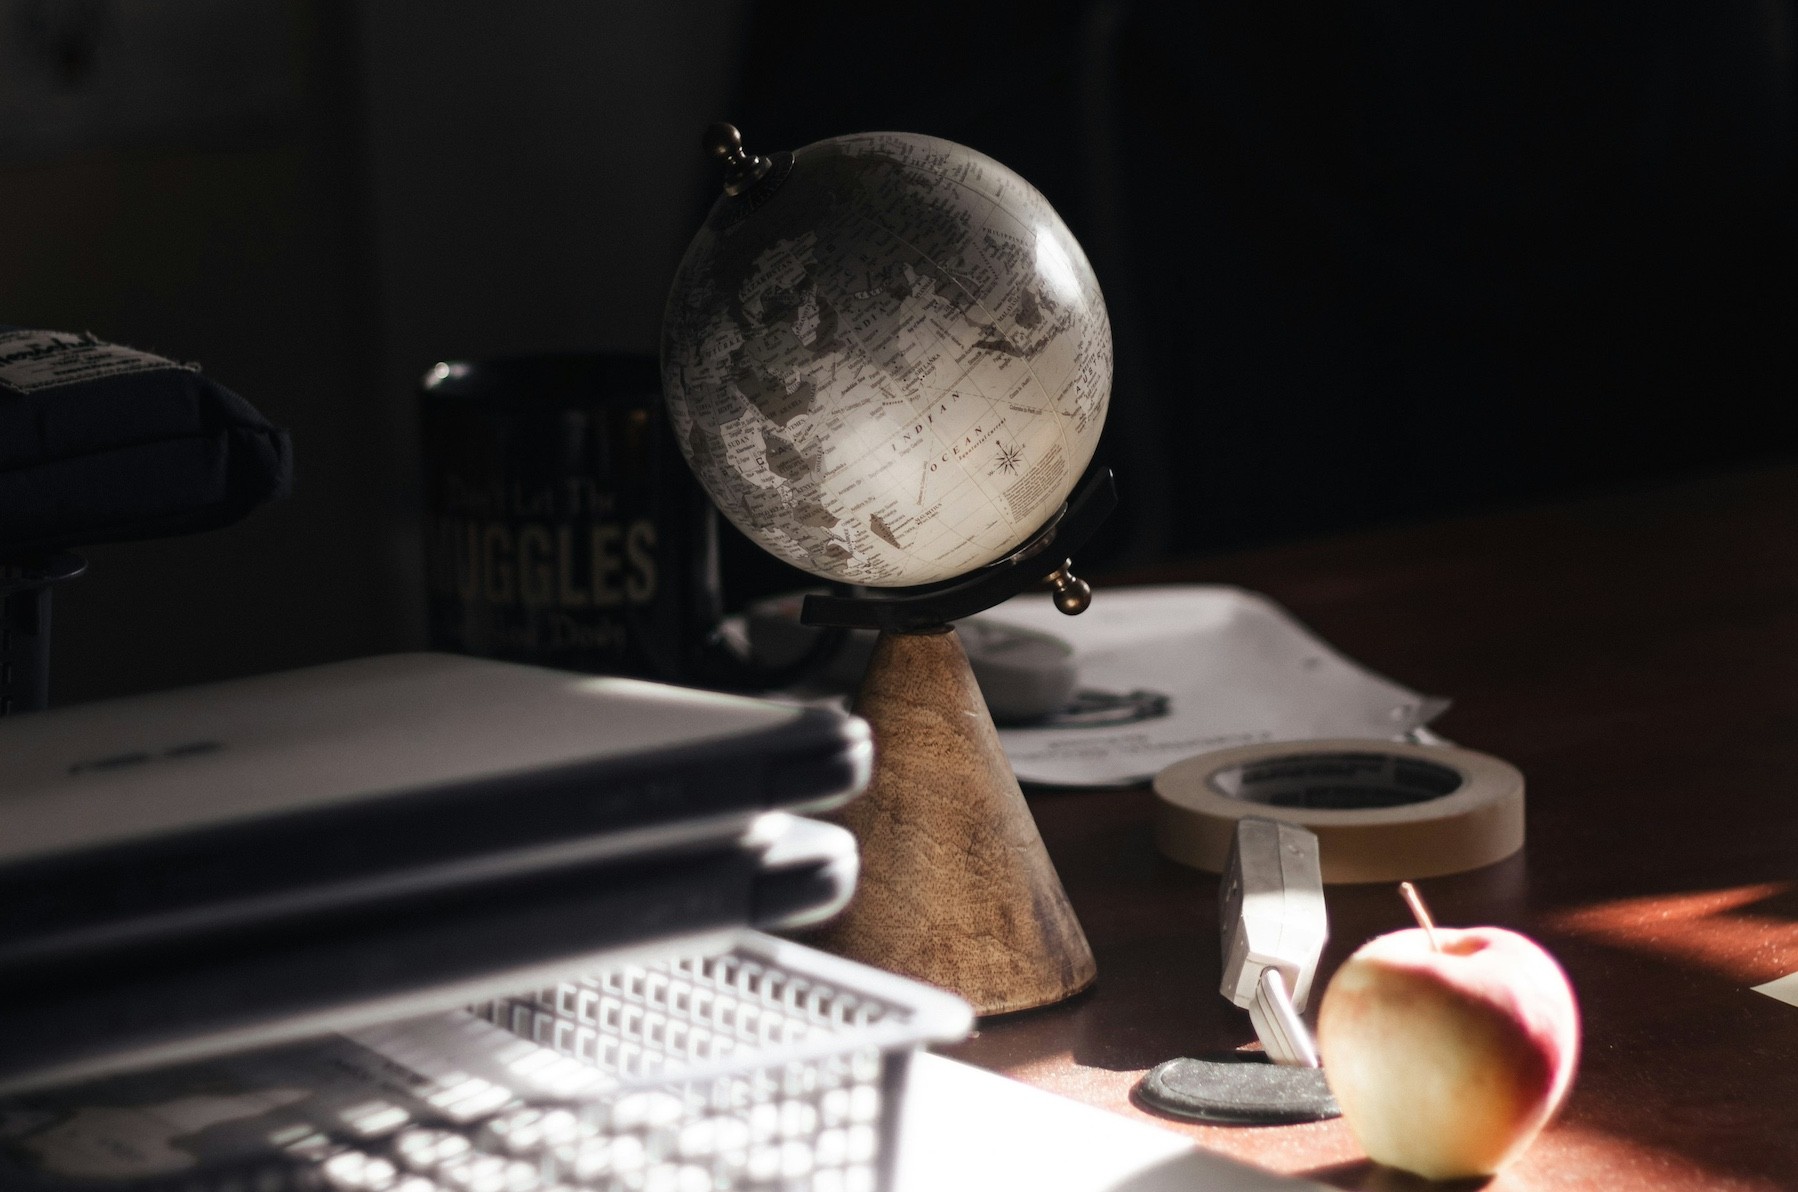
[723,140]
[1073,595]
[741,169]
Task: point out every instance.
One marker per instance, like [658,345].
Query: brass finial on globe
[741,169]
[1072,594]
[723,140]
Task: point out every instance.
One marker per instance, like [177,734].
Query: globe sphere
[888,360]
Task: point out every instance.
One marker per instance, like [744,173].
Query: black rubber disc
[1244,1090]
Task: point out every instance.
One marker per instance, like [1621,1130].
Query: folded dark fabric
[102,443]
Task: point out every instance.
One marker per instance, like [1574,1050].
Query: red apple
[1447,1060]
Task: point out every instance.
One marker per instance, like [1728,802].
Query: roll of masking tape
[1382,811]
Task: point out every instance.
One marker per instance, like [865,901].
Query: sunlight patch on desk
[1031,1070]
[1709,930]
[1633,1158]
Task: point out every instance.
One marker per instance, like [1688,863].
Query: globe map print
[891,370]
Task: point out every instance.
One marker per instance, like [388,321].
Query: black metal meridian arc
[909,610]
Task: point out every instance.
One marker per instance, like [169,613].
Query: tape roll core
[1382,811]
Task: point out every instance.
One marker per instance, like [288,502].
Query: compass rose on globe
[888,362]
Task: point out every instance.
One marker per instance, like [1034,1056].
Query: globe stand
[956,888]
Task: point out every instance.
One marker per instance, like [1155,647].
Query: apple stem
[1420,912]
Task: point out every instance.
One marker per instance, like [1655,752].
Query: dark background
[1365,263]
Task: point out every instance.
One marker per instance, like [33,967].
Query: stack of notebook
[237,865]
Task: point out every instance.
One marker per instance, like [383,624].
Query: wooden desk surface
[1637,657]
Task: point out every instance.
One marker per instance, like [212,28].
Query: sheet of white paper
[963,1128]
[1783,989]
[1215,667]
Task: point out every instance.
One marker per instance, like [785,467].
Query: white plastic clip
[1274,927]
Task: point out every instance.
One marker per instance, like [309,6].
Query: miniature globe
[885,357]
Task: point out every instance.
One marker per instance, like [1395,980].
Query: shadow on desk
[1364,1175]
[1185,1173]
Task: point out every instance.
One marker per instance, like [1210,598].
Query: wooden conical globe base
[956,888]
